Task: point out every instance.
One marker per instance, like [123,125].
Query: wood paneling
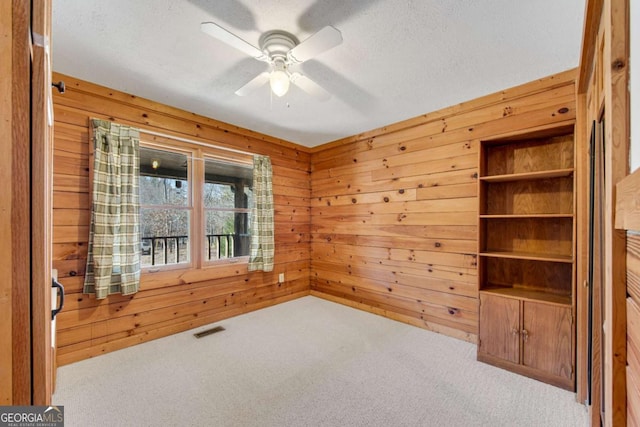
[391,217]
[549,88]
[547,277]
[6,271]
[21,205]
[615,66]
[627,212]
[15,267]
[548,342]
[527,335]
[540,236]
[603,96]
[25,291]
[43,366]
[502,339]
[168,301]
[592,14]
[633,361]
[527,157]
[526,249]
[582,237]
[551,196]
[628,218]
[394,210]
[633,267]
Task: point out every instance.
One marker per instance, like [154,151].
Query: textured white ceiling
[399,58]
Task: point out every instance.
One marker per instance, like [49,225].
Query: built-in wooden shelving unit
[526,254]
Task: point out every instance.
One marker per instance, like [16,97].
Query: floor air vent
[208,332]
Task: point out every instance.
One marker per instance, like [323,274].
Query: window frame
[197,153]
[190,208]
[212,156]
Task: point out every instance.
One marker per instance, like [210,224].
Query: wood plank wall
[15,268]
[394,210]
[174,301]
[41,158]
[633,327]
[6,267]
[628,218]
[603,96]
[392,217]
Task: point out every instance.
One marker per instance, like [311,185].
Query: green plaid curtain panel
[262,244]
[113,261]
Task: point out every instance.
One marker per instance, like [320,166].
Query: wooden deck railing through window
[162,249]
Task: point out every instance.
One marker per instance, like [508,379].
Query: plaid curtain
[262,244]
[113,261]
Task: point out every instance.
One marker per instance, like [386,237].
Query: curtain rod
[191,141]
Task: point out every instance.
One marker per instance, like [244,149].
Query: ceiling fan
[282,52]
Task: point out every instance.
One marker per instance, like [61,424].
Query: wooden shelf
[526,236]
[516,216]
[556,173]
[528,256]
[529,295]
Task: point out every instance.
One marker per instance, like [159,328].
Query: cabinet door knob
[525,334]
[514,331]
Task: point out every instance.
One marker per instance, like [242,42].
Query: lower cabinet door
[547,339]
[499,327]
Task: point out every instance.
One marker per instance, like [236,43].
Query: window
[227,199]
[165,207]
[185,192]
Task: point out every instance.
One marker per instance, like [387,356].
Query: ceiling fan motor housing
[276,44]
[281,50]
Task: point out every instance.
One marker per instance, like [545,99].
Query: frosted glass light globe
[279,82]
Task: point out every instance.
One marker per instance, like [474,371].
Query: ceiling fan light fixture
[279,82]
[280,49]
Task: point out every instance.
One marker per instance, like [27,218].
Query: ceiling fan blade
[216,31]
[319,42]
[254,84]
[311,87]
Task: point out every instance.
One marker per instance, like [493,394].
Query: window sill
[163,268]
[167,276]
[226,261]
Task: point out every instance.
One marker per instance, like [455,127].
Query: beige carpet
[308,362]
